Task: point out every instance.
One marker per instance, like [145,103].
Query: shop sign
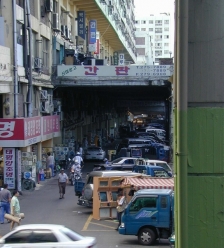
[81,24]
[9,167]
[22,132]
[19,172]
[121,59]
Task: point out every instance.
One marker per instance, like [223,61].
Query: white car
[95,153]
[46,235]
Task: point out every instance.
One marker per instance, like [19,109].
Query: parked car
[94,153]
[122,161]
[46,235]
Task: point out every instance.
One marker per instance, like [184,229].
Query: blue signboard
[92,31]
[81,24]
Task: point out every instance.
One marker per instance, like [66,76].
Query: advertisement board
[9,167]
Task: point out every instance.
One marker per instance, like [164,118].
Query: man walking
[5,198]
[62,180]
[50,163]
[15,207]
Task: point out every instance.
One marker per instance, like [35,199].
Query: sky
[145,7]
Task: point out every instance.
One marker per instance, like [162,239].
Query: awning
[150,183]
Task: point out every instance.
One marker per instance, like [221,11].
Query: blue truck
[151,170]
[149,215]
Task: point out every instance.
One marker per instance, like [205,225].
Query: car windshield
[164,165]
[116,160]
[71,234]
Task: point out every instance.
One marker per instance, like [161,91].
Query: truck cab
[151,170]
[149,215]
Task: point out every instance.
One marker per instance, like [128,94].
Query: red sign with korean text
[9,167]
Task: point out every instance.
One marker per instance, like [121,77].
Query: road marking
[87,222]
[102,225]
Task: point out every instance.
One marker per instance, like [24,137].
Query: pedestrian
[5,198]
[50,163]
[121,203]
[62,181]
[15,208]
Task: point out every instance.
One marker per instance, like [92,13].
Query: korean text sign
[81,24]
[9,167]
[92,31]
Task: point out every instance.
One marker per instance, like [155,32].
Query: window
[55,6]
[114,195]
[163,202]
[166,36]
[19,237]
[136,22]
[166,44]
[143,202]
[19,29]
[150,21]
[143,22]
[158,52]
[143,29]
[45,56]
[43,236]
[158,21]
[158,30]
[166,51]
[141,51]
[166,29]
[150,29]
[140,40]
[166,21]
[103,196]
[137,29]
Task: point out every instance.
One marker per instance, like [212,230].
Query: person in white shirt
[78,158]
[62,180]
[50,163]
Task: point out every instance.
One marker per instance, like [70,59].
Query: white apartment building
[154,38]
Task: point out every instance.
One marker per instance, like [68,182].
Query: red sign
[22,132]
[9,167]
[97,46]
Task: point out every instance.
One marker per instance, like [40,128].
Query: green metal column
[181,214]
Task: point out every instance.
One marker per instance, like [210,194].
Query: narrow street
[44,206]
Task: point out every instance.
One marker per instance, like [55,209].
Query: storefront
[22,141]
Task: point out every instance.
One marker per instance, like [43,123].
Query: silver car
[46,235]
[94,153]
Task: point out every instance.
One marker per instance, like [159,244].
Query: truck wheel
[146,236]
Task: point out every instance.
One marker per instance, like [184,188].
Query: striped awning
[150,183]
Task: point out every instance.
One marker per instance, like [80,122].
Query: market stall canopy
[149,183]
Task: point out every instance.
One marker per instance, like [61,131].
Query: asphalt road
[43,206]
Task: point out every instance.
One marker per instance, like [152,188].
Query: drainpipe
[181,195]
[30,86]
[15,60]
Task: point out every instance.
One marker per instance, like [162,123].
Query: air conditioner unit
[63,31]
[45,107]
[55,25]
[37,63]
[67,33]
[43,95]
[49,5]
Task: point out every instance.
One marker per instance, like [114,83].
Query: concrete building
[36,36]
[154,38]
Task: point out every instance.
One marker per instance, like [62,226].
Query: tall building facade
[154,38]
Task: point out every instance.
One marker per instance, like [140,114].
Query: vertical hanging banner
[121,59]
[81,24]
[19,171]
[92,35]
[9,167]
[97,50]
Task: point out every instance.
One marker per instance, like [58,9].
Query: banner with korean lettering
[81,18]
[9,167]
[50,127]
[97,45]
[92,31]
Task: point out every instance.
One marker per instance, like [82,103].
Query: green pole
[181,196]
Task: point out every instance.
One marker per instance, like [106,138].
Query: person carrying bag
[121,204]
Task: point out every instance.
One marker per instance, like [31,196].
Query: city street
[44,206]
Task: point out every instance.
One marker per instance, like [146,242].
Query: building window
[150,21]
[158,23]
[136,22]
[166,51]
[166,36]
[166,22]
[158,37]
[150,29]
[143,22]
[140,40]
[143,29]
[166,44]
[140,51]
[137,29]
[55,6]
[45,55]
[158,30]
[166,29]
[158,53]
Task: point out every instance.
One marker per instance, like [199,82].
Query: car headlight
[122,225]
